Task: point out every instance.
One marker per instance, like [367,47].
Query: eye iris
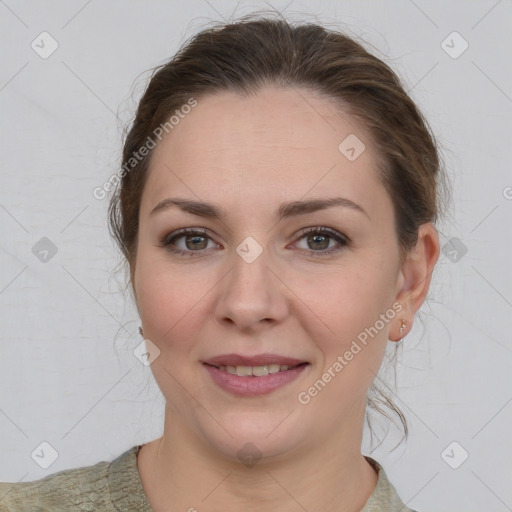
[196,242]
[319,239]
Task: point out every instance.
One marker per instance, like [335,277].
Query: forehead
[280,142]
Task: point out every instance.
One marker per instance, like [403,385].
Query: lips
[253,375]
[257,360]
[248,384]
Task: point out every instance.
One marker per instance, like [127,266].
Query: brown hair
[255,51]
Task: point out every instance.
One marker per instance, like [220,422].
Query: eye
[187,241]
[318,240]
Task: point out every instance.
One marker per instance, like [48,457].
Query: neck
[180,470]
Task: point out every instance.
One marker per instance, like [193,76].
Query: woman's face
[252,283]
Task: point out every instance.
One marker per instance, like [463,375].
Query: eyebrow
[286,210]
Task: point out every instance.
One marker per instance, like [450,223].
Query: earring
[141,332]
[402,327]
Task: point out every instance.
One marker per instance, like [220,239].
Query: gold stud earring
[402,327]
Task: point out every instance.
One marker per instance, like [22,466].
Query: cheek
[350,304]
[353,299]
[171,302]
[355,305]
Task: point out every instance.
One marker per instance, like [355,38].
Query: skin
[249,155]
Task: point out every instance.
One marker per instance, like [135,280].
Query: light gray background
[68,331]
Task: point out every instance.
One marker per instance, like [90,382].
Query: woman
[275,205]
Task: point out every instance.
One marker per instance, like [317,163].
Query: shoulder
[69,488]
[91,488]
[384,497]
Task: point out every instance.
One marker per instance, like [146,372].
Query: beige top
[116,485]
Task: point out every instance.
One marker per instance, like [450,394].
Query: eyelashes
[169,242]
[197,237]
[320,234]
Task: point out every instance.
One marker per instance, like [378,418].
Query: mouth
[255,371]
[255,375]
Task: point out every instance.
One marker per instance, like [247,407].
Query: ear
[414,278]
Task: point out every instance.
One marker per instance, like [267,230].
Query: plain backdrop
[68,374]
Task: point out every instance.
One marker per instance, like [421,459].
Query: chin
[255,437]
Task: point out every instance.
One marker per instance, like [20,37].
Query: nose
[252,296]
